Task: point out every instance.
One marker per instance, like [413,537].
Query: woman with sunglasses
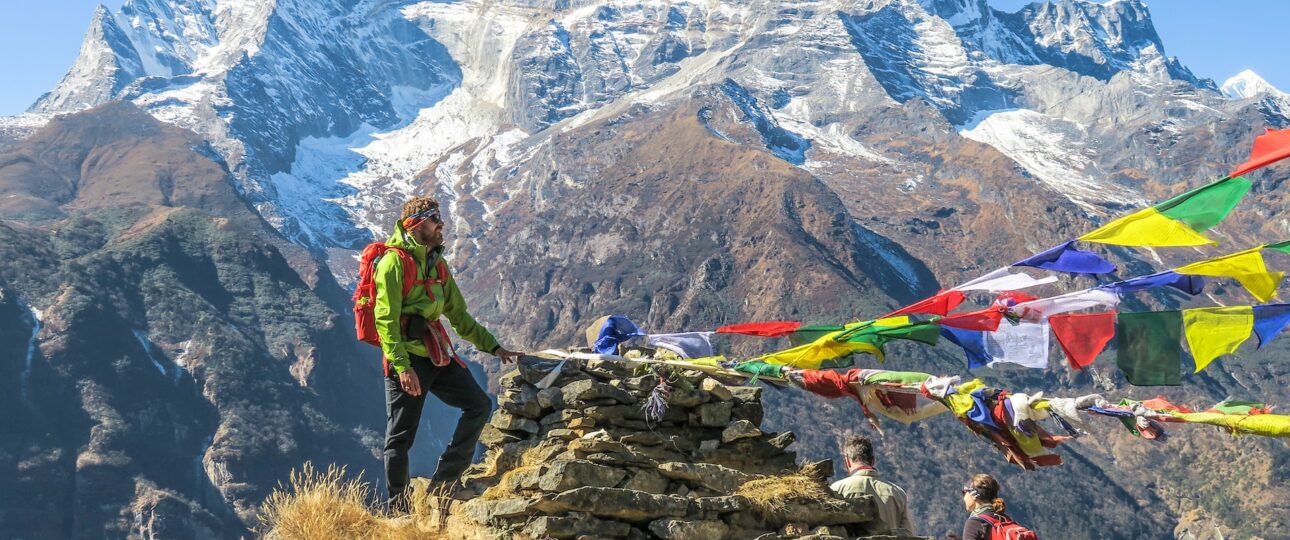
[981,499]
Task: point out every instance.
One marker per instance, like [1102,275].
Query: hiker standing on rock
[863,481]
[404,288]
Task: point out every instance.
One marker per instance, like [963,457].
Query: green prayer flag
[808,334]
[756,368]
[1283,247]
[1232,406]
[1149,347]
[925,332]
[1206,206]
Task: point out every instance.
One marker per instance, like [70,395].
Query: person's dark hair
[858,450]
[417,205]
[987,489]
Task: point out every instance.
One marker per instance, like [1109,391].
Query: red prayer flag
[938,304]
[986,320]
[772,329]
[1270,147]
[1083,336]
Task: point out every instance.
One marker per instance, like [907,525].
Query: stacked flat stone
[580,460]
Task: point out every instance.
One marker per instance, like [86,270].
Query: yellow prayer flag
[1214,332]
[1147,227]
[1246,267]
[812,355]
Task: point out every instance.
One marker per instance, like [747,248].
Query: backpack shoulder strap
[993,521]
[441,270]
[409,269]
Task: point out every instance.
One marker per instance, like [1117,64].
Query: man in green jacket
[419,358]
[863,481]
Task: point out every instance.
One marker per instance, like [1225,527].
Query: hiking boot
[399,506]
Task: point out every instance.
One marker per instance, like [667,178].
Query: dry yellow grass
[770,495]
[321,505]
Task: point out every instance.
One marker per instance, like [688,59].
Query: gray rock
[566,474]
[676,529]
[576,526]
[644,383]
[783,440]
[586,391]
[687,397]
[722,505]
[718,391]
[492,436]
[712,414]
[740,429]
[708,475]
[647,480]
[751,411]
[521,401]
[483,511]
[607,413]
[510,422]
[617,503]
[551,398]
[746,393]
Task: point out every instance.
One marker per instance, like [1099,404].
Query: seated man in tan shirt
[893,511]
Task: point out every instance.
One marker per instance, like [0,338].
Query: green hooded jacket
[447,301]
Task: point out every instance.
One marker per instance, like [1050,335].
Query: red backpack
[1004,528]
[365,294]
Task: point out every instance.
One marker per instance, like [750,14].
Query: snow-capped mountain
[687,161]
[1247,84]
[408,84]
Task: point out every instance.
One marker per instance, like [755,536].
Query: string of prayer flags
[926,332]
[1269,321]
[685,344]
[939,304]
[1233,406]
[1246,267]
[1272,146]
[1036,310]
[1066,258]
[825,352]
[1190,284]
[770,329]
[1214,332]
[808,334]
[1083,337]
[985,320]
[1177,221]
[1149,347]
[1003,280]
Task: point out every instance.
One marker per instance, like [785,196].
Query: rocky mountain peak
[1247,84]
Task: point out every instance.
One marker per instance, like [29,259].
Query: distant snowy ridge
[1248,84]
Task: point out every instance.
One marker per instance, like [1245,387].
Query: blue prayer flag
[1192,285]
[616,330]
[1066,258]
[1269,321]
[973,344]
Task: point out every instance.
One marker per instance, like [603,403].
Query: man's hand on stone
[506,356]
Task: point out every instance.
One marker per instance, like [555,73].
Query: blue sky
[40,38]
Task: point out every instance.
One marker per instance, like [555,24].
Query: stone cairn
[581,459]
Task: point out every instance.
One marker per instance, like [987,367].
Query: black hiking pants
[456,387]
